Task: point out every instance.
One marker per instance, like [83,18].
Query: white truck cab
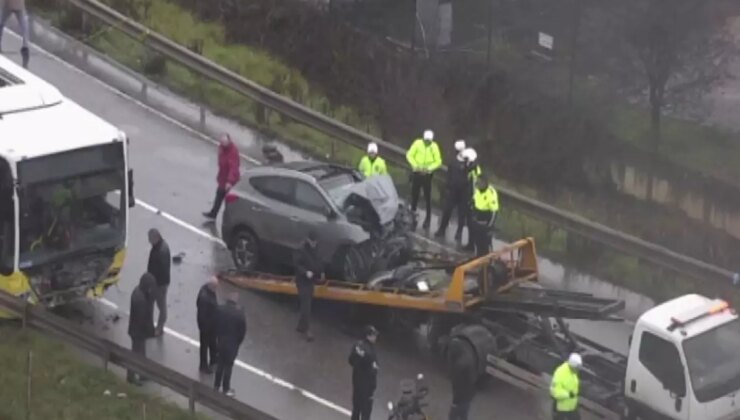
[684,362]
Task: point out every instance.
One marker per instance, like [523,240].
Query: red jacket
[228,165]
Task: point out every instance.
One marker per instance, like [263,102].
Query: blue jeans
[22,18]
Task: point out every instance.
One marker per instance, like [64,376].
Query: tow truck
[681,363]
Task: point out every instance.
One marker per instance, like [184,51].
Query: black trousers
[459,411]
[226,358]
[362,406]
[421,182]
[208,347]
[567,415]
[480,238]
[305,300]
[456,199]
[138,346]
[217,201]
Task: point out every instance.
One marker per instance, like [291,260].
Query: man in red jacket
[228,172]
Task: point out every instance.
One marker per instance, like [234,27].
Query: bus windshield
[713,362]
[74,203]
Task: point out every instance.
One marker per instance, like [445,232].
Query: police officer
[457,196]
[565,388]
[472,172]
[483,215]
[425,158]
[364,364]
[308,270]
[372,164]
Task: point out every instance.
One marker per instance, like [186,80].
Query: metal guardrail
[37,317]
[620,241]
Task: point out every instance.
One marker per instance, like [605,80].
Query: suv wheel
[245,250]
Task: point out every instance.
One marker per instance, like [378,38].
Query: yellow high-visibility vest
[485,201]
[424,157]
[370,167]
[565,381]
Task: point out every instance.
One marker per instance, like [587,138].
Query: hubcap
[244,253]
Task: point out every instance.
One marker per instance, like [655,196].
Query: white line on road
[259,372]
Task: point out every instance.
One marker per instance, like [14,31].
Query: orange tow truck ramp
[519,258]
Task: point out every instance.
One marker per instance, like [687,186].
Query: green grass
[703,149]
[64,387]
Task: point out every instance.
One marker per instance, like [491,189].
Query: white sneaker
[230,393]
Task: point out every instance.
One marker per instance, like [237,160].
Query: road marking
[180,222]
[246,366]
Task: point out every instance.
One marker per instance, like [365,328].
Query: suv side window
[275,187]
[309,198]
[662,359]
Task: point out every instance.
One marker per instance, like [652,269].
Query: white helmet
[428,135]
[575,361]
[470,154]
[460,145]
[372,148]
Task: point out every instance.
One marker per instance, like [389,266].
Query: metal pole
[490,34]
[28,383]
[574,49]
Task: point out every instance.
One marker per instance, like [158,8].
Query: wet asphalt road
[175,173]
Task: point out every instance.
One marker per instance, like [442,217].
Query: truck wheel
[481,340]
[245,250]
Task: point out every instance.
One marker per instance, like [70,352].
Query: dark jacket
[364,364]
[141,320]
[462,371]
[306,259]
[457,177]
[159,263]
[228,165]
[231,325]
[207,304]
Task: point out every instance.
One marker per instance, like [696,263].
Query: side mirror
[131,198]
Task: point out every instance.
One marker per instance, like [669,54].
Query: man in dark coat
[140,325]
[364,374]
[308,270]
[207,304]
[228,173]
[159,266]
[231,327]
[462,377]
[456,196]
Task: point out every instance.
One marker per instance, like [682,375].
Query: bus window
[7,220]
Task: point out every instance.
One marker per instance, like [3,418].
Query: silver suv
[360,222]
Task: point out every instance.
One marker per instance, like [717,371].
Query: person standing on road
[372,164]
[159,266]
[140,325]
[565,389]
[232,327]
[228,173]
[364,364]
[483,216]
[425,158]
[17,8]
[462,377]
[308,270]
[207,304]
[456,195]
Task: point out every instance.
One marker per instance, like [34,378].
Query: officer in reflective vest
[565,388]
[372,164]
[425,158]
[483,216]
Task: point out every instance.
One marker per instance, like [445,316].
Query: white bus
[65,191]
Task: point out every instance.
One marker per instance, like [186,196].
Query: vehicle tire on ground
[244,247]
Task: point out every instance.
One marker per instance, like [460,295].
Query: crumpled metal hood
[380,192]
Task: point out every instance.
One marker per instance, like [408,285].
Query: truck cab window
[7,219]
[662,359]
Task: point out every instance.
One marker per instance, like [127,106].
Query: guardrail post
[28,383]
[196,46]
[191,400]
[144,89]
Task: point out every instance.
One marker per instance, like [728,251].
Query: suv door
[313,210]
[273,212]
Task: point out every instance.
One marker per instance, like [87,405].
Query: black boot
[25,55]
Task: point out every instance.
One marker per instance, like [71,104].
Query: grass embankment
[64,387]
[180,25]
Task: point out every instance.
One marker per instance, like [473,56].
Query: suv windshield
[712,360]
[71,202]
